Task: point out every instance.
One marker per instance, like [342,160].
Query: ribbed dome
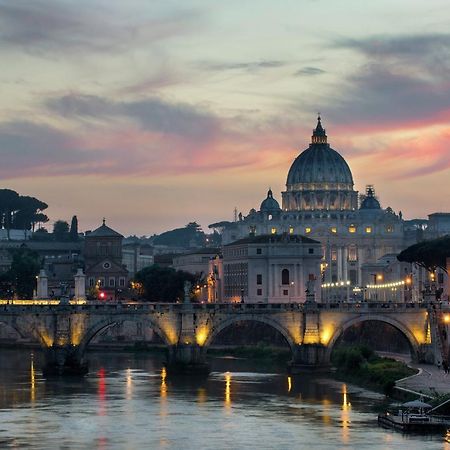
[270,204]
[319,164]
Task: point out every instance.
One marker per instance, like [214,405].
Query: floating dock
[413,423]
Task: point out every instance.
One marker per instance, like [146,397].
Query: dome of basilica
[269,204]
[370,202]
[320,164]
[319,178]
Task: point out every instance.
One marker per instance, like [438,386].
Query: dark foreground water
[127,402]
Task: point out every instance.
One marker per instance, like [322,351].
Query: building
[320,202]
[271,268]
[195,262]
[105,274]
[136,256]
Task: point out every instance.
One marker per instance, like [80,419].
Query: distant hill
[191,236]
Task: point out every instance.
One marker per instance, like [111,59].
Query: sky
[156,113]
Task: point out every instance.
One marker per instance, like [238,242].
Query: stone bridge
[310,329]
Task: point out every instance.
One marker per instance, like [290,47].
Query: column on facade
[297,281]
[360,263]
[345,264]
[339,263]
[272,290]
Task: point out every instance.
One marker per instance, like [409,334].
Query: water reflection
[127,402]
[228,390]
[129,392]
[163,383]
[101,392]
[345,415]
[32,380]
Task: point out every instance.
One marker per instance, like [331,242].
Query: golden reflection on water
[228,389]
[345,414]
[201,395]
[129,393]
[163,388]
[289,382]
[32,380]
[163,397]
[326,418]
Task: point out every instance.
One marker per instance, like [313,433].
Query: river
[127,402]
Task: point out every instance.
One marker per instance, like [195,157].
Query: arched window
[285,276]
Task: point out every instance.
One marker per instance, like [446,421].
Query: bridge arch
[104,324]
[412,341]
[217,328]
[29,331]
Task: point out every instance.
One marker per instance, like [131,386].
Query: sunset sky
[157,113]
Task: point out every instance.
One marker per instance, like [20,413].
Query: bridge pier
[309,357]
[187,359]
[64,360]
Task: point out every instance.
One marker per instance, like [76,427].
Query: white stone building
[271,268]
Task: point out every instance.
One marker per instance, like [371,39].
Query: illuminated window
[368,229]
[333,229]
[308,230]
[333,255]
[273,230]
[352,229]
[291,230]
[389,228]
[352,253]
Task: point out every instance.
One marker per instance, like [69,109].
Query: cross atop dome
[319,136]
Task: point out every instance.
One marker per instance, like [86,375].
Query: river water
[127,402]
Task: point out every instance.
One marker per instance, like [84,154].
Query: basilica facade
[320,202]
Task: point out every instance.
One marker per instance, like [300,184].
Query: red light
[102,295]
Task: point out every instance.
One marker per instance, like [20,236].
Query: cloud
[151,114]
[27,147]
[250,66]
[308,71]
[52,26]
[431,51]
[402,83]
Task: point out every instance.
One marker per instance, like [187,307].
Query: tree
[9,204]
[61,230]
[74,229]
[163,284]
[22,274]
[428,254]
[189,236]
[29,213]
[21,212]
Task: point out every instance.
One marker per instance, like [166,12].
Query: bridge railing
[141,307]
